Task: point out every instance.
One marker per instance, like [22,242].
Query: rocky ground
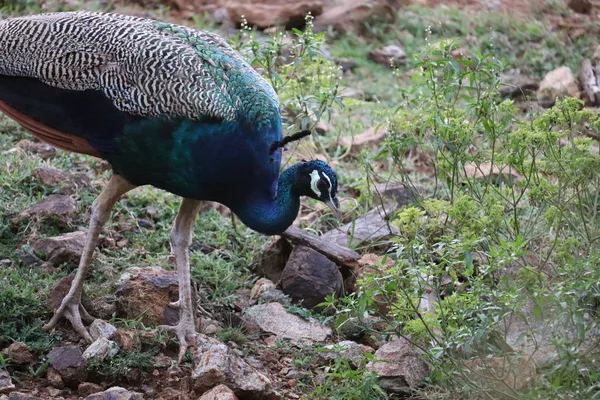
[261,338]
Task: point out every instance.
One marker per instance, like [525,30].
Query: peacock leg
[181,238]
[71,307]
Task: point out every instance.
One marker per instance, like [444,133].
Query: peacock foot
[186,334]
[72,310]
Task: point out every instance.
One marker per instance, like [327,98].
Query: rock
[23,396]
[220,392]
[349,15]
[173,394]
[502,373]
[27,256]
[273,318]
[60,290]
[55,205]
[397,193]
[68,181]
[399,364]
[68,362]
[100,349]
[88,388]
[347,349]
[496,174]
[100,328]
[372,136]
[370,229]
[341,255]
[6,384]
[309,277]
[591,89]
[66,248]
[260,287]
[558,83]
[514,84]
[43,150]
[389,55]
[7,262]
[581,6]
[216,364]
[273,259]
[147,292]
[351,93]
[116,393]
[290,14]
[127,340]
[19,353]
[54,378]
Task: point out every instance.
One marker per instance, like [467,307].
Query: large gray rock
[273,318]
[217,364]
[399,365]
[371,229]
[100,328]
[309,277]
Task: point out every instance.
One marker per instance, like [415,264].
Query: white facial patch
[314,179]
[328,180]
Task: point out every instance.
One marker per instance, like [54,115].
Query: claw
[176,304]
[186,334]
[72,310]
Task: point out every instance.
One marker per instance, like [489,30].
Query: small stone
[347,349]
[292,383]
[101,349]
[62,249]
[389,55]
[88,388]
[54,378]
[55,205]
[127,340]
[100,328]
[399,364]
[19,353]
[146,292]
[581,6]
[68,362]
[22,396]
[27,256]
[7,262]
[6,384]
[260,287]
[68,181]
[116,393]
[216,364]
[273,318]
[220,392]
[558,83]
[44,150]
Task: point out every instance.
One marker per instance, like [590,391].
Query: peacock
[167,106]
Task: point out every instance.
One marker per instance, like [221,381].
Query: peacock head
[317,180]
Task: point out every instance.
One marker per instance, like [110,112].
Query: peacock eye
[323,186]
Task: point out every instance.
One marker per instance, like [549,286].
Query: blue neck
[268,215]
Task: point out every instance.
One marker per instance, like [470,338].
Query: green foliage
[342,382]
[123,365]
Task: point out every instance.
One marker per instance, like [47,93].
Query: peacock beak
[334,205]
